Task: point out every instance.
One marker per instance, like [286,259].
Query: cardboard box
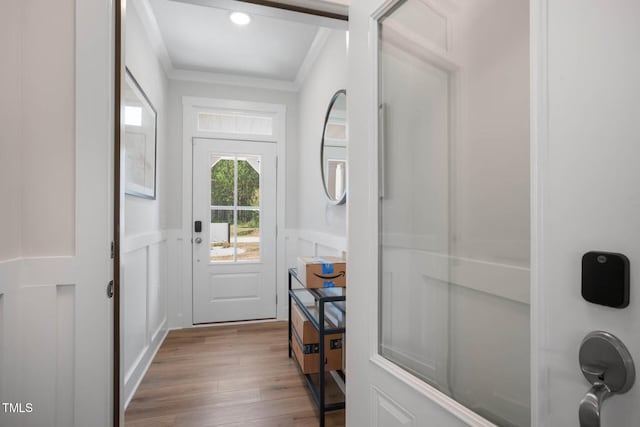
[322,272]
[306,332]
[305,343]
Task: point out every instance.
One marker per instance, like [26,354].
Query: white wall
[145,247]
[328,75]
[143,215]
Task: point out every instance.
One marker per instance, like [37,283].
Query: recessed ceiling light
[240,18]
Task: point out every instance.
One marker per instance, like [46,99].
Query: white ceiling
[203,39]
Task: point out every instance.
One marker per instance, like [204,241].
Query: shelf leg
[322,364]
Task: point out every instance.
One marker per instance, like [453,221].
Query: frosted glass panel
[454,214]
[238,123]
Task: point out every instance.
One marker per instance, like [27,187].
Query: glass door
[454,202]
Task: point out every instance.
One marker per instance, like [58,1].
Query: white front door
[481,204]
[234,234]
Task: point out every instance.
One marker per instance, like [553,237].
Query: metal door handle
[606,363]
[591,405]
[198,240]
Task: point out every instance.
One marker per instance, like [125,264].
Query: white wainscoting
[304,243]
[37,340]
[313,243]
[146,271]
[436,311]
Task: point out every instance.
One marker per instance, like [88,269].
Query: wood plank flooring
[231,376]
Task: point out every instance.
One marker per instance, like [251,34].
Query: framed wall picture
[140,141]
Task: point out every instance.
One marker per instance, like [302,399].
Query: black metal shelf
[335,297]
[329,327]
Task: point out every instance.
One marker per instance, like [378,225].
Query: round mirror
[333,151]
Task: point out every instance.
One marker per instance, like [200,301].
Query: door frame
[190,107]
[120,12]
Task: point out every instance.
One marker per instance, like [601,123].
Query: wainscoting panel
[38,341]
[158,272]
[145,272]
[305,247]
[176,279]
[10,338]
[388,413]
[3,346]
[65,352]
[134,304]
[313,243]
[39,317]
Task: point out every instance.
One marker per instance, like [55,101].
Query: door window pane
[235,208]
[249,181]
[222,180]
[221,235]
[454,213]
[248,235]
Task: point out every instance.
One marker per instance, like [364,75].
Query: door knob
[198,240]
[606,363]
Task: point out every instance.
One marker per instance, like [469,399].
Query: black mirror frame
[343,198]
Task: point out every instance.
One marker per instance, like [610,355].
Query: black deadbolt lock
[198,227]
[605,279]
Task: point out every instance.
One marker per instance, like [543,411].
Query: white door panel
[235,252]
[587,193]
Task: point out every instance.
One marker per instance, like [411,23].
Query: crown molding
[152,28]
[232,80]
[150,24]
[312,55]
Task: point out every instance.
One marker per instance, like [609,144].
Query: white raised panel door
[234,254]
[585,100]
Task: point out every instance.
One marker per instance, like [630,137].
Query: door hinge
[110,289]
[113,250]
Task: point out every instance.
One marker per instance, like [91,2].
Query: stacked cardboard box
[322,272]
[306,344]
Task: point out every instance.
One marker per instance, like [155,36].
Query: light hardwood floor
[231,376]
